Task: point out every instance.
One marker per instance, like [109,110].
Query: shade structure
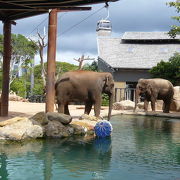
[11,10]
[17,9]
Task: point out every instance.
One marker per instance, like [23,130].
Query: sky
[77,30]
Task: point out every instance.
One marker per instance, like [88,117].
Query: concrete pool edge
[154,114]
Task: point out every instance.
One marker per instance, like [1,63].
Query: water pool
[142,148]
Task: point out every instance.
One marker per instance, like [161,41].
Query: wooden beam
[66,8]
[6,68]
[25,14]
[51,61]
[15,4]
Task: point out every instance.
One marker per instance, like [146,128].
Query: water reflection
[3,165]
[147,141]
[139,148]
[73,154]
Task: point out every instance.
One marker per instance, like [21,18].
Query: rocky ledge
[43,125]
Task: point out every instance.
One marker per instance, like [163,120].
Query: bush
[105,100]
[168,70]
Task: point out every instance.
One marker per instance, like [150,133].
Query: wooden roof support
[51,61]
[6,68]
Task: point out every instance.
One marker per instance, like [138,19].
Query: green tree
[175,29]
[23,50]
[168,70]
[91,67]
[61,67]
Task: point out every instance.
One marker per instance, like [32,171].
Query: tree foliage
[91,67]
[168,70]
[175,29]
[23,51]
[61,67]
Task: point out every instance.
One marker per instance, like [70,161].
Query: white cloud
[68,56]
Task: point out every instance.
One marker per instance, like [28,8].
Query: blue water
[140,148]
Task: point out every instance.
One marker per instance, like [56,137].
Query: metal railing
[36,98]
[124,94]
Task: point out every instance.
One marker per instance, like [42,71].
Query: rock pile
[14,97]
[43,125]
[124,105]
[175,105]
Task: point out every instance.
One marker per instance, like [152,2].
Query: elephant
[153,89]
[84,86]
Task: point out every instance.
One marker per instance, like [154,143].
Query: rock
[176,93]
[10,121]
[158,105]
[20,129]
[124,105]
[88,117]
[87,124]
[57,129]
[40,118]
[175,106]
[63,118]
[78,130]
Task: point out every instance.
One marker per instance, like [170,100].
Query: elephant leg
[97,106]
[60,108]
[88,107]
[153,104]
[66,109]
[146,102]
[166,106]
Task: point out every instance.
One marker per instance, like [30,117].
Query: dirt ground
[26,109]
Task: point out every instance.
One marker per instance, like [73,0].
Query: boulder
[57,129]
[78,130]
[176,93]
[40,118]
[20,128]
[175,106]
[62,118]
[89,117]
[86,124]
[124,105]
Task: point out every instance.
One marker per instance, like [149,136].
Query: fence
[124,94]
[36,98]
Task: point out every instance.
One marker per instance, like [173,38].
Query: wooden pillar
[6,68]
[51,61]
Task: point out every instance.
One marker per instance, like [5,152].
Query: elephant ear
[107,79]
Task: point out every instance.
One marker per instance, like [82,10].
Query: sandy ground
[26,109]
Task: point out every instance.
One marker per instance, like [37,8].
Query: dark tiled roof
[147,36]
[134,55]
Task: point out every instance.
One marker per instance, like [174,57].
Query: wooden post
[51,61]
[6,68]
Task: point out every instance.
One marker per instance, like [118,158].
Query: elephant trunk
[137,93]
[111,97]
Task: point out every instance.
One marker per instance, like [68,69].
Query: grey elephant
[84,86]
[153,89]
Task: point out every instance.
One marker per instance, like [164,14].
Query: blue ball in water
[103,128]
